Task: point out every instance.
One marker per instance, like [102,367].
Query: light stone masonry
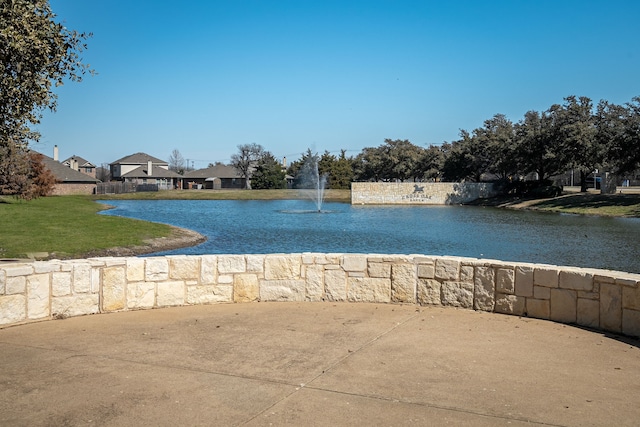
[606,300]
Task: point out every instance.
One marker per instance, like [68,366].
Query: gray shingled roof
[64,173]
[139,158]
[81,162]
[217,171]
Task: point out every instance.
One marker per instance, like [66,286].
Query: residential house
[215,177]
[81,165]
[68,180]
[141,168]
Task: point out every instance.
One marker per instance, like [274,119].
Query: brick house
[141,168]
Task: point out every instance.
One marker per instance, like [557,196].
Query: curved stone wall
[601,299]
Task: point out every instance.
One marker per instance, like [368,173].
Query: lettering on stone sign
[416,197]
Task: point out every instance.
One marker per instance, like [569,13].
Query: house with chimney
[79,164]
[68,180]
[143,169]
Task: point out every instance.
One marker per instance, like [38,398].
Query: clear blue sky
[204,76]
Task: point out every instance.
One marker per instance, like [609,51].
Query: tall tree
[176,162]
[37,54]
[268,173]
[245,159]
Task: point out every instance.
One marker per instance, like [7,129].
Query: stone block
[510,304]
[141,295]
[610,307]
[314,282]
[40,267]
[447,269]
[13,309]
[365,289]
[546,276]
[282,267]
[588,313]
[538,308]
[426,270]
[19,270]
[184,267]
[16,285]
[335,285]
[76,305]
[428,292]
[3,282]
[540,292]
[156,269]
[589,295]
[631,322]
[81,278]
[228,264]
[631,280]
[135,269]
[403,283]
[170,293]
[466,273]
[575,279]
[631,298]
[563,305]
[457,294]
[255,263]
[354,263]
[524,281]
[225,279]
[505,280]
[113,288]
[246,288]
[96,279]
[379,270]
[60,283]
[484,289]
[209,294]
[208,269]
[38,296]
[282,290]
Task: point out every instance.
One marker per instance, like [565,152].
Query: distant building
[141,168]
[81,165]
[68,180]
[215,177]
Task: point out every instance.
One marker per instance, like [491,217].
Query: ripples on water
[292,226]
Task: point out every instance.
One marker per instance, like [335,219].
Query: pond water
[293,226]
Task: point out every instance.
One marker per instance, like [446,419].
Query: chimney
[55,153]
[74,163]
[149,167]
[284,162]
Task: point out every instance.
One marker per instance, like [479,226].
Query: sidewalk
[315,364]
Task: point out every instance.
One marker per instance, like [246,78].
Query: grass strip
[66,227]
[619,205]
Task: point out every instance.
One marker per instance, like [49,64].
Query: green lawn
[627,205]
[66,227]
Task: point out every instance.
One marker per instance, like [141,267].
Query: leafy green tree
[498,140]
[37,54]
[618,132]
[341,173]
[268,173]
[369,165]
[245,159]
[430,164]
[578,135]
[539,144]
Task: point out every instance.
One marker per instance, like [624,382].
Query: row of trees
[574,136]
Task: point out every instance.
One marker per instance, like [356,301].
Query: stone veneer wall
[600,299]
[421,193]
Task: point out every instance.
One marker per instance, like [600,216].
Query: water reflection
[235,227]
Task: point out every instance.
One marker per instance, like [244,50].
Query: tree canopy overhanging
[37,54]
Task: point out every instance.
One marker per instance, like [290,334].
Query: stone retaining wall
[418,193]
[601,299]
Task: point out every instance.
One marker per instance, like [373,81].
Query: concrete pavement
[325,363]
